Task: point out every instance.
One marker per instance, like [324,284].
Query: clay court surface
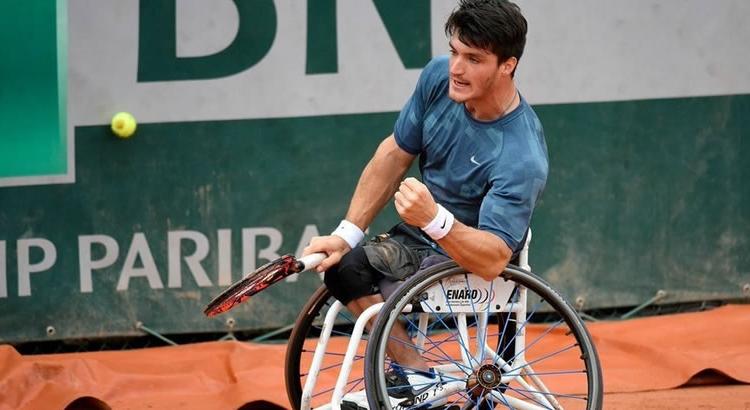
[680,361]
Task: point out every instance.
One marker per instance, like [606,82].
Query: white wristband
[349,232]
[440,225]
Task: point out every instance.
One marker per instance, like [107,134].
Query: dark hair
[494,25]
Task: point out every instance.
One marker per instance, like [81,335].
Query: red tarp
[637,355]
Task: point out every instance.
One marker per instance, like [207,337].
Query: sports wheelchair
[510,343]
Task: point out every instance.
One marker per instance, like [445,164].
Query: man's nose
[456,66]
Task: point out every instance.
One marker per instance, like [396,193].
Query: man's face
[473,72]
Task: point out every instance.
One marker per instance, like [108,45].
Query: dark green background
[642,195]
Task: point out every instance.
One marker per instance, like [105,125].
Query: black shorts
[381,263]
[383,260]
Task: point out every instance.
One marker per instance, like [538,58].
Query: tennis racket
[260,279]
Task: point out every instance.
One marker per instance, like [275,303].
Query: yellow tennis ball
[123,124]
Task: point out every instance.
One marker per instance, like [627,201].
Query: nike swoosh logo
[444,221]
[473,161]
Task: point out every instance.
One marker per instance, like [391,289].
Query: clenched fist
[414,203]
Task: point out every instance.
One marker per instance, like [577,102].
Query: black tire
[301,345]
[540,355]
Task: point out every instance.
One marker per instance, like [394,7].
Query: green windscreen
[32,95]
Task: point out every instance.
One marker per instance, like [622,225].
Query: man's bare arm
[378,182]
[475,250]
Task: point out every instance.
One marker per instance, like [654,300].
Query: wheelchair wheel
[466,328]
[301,348]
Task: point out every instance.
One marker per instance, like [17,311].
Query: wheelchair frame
[521,372]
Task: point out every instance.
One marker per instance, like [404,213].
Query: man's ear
[507,66]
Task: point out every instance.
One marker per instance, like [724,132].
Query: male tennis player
[483,161]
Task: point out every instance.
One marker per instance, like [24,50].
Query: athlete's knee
[337,284]
[332,277]
[351,278]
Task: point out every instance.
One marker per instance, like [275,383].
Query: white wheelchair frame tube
[325,336]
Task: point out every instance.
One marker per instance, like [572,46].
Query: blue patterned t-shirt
[488,174]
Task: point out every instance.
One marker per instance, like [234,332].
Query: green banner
[158,224]
[33,142]
[642,196]
[256,119]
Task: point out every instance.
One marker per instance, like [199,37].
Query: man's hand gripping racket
[260,279]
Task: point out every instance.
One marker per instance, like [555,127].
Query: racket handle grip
[312,260]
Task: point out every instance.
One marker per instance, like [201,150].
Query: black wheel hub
[489,376]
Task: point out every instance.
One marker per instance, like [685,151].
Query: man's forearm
[373,191]
[477,251]
[378,182]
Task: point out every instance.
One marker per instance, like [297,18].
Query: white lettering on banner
[86,264]
[26,268]
[139,250]
[99,252]
[269,253]
[225,256]
[174,242]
